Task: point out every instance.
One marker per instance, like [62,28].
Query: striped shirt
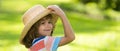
[45,43]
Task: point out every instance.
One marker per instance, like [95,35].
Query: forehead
[45,18]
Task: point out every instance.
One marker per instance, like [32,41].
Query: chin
[47,35]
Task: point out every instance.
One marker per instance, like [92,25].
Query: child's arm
[69,34]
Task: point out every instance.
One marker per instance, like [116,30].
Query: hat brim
[34,20]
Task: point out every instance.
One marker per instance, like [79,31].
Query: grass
[91,35]
[88,42]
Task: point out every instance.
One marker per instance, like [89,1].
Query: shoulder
[52,42]
[51,38]
[38,39]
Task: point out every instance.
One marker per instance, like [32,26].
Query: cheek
[40,28]
[51,26]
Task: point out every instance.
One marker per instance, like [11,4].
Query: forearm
[68,31]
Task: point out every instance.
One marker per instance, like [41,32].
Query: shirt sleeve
[52,43]
[56,43]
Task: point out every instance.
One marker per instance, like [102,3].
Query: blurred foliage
[95,23]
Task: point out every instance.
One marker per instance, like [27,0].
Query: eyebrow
[45,19]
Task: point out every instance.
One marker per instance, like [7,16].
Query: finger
[53,6]
[56,6]
[50,6]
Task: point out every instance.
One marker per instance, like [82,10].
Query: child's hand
[57,10]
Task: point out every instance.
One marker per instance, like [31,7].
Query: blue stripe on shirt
[56,43]
[37,39]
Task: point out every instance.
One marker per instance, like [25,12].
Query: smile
[47,30]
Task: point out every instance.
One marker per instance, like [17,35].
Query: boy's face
[45,28]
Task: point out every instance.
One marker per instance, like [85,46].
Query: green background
[96,24]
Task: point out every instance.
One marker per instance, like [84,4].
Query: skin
[45,27]
[68,31]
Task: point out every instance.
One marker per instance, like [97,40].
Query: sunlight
[8,26]
[96,24]
[91,41]
[11,5]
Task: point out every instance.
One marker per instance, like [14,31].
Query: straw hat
[32,15]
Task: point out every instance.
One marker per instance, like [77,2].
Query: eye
[42,22]
[50,22]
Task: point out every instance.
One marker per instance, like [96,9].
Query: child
[39,25]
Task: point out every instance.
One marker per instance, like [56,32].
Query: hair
[33,32]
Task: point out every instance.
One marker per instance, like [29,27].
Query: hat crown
[32,12]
